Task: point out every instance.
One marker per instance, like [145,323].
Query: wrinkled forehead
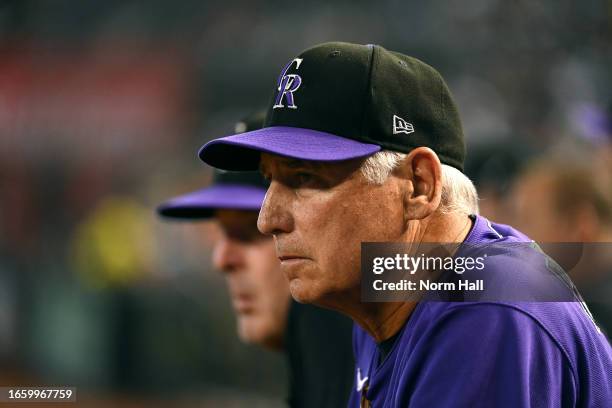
[271,162]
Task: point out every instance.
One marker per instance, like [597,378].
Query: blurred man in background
[573,206]
[316,341]
[258,290]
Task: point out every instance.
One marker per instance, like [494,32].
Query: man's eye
[245,236]
[304,177]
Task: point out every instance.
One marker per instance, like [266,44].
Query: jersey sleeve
[489,355]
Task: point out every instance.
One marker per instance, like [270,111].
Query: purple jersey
[488,354]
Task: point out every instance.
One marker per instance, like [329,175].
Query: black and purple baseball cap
[338,101]
[232,190]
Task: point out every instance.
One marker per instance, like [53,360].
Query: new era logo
[401,126]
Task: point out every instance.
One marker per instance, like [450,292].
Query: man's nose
[227,255]
[275,214]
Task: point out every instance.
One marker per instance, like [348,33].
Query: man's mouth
[285,258]
[291,265]
[291,260]
[243,303]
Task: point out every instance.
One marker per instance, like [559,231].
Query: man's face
[259,291]
[319,213]
[535,212]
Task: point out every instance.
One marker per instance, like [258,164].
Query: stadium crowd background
[103,105]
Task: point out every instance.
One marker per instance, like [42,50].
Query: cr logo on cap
[287,85]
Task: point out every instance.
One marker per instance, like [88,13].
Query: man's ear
[422,173]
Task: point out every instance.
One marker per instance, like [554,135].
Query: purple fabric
[229,152]
[489,354]
[202,203]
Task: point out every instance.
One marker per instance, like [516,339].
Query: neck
[383,320]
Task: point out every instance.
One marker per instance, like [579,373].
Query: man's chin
[247,331]
[251,333]
[301,292]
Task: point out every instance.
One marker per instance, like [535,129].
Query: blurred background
[103,105]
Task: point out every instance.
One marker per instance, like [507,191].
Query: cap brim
[242,151]
[201,204]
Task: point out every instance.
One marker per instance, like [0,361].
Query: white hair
[458,191]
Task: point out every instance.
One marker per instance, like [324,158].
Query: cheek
[236,282]
[329,235]
[362,218]
[336,233]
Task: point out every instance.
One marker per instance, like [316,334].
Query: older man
[362,144]
[316,342]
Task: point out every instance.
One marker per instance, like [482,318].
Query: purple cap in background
[201,204]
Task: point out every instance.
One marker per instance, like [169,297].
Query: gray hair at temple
[458,192]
